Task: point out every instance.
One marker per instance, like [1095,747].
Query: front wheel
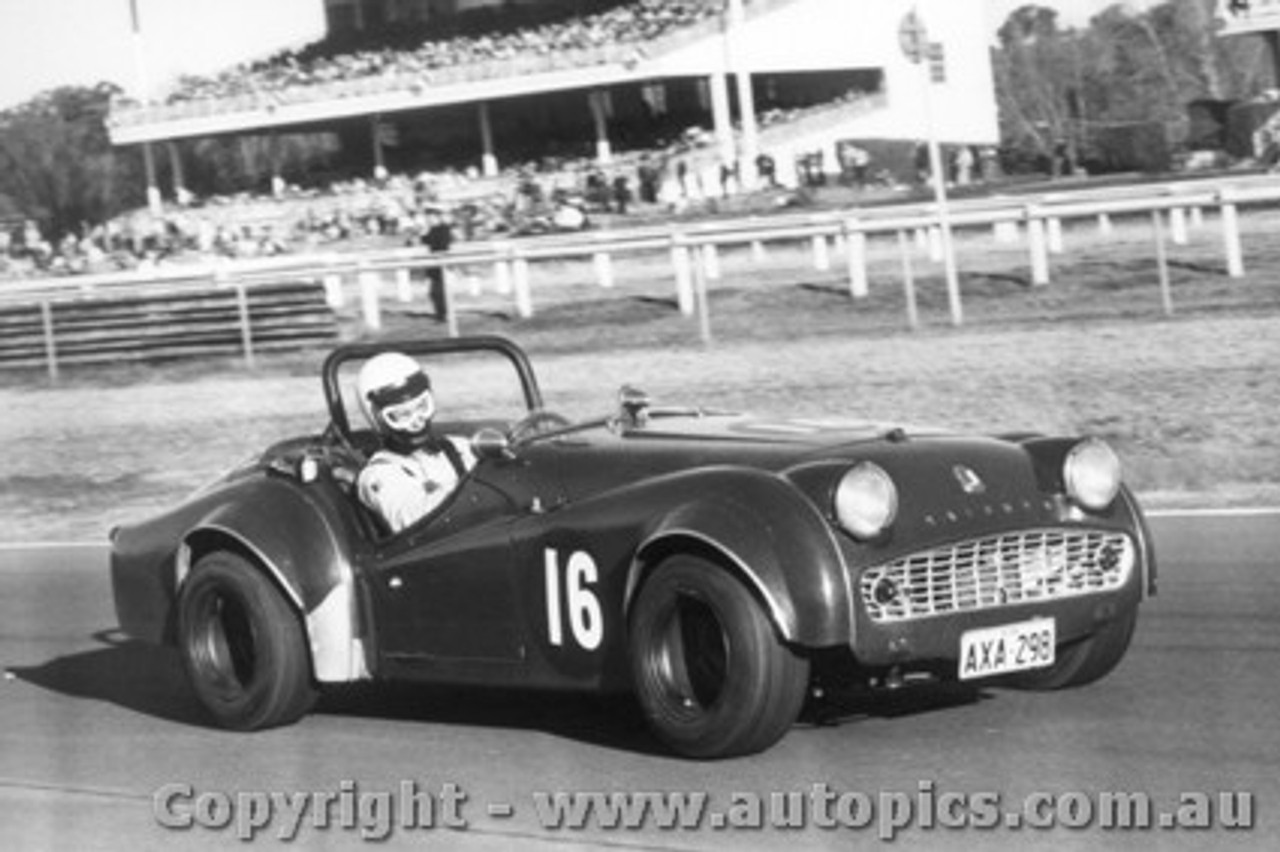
[711,674]
[243,646]
[1085,661]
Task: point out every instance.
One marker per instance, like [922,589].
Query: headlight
[866,500]
[1091,473]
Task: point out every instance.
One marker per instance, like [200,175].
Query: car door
[446,589]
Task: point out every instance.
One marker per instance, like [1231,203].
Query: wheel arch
[691,543]
[289,540]
[210,538]
[760,528]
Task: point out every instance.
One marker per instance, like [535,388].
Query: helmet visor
[412,415]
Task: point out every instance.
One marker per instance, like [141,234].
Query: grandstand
[407,85]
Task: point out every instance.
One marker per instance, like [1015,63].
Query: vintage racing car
[716,564]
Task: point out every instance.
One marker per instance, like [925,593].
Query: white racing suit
[403,489]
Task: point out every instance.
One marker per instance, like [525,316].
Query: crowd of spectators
[468,39]
[530,198]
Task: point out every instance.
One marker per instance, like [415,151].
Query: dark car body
[529,574]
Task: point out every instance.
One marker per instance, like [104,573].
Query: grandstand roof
[779,35]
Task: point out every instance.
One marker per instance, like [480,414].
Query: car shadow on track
[135,675]
[850,705]
[148,679]
[610,721]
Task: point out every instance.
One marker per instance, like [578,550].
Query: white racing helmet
[395,396]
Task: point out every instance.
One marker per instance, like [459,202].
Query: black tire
[712,676]
[242,645]
[1085,661]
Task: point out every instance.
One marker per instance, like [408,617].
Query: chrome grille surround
[996,571]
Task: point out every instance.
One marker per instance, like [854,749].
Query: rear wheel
[1085,661]
[711,674]
[242,645]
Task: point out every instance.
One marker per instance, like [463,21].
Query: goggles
[412,415]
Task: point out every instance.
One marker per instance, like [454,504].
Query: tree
[57,165]
[1124,67]
[1038,74]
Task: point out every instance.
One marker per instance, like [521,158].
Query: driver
[417,468]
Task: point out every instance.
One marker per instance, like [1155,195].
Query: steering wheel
[535,423]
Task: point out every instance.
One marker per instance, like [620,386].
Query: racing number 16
[586,621]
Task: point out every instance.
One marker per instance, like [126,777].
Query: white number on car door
[570,599]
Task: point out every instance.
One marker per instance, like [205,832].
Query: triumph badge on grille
[969,481]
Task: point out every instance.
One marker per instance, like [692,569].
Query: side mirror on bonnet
[490,443]
[634,404]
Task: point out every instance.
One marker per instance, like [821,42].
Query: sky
[49,43]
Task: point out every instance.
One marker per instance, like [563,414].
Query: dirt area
[1189,400]
[1189,404]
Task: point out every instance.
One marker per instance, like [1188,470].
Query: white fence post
[246,328]
[1055,236]
[1178,226]
[821,253]
[758,253]
[1104,224]
[502,275]
[711,261]
[908,281]
[936,251]
[403,291]
[520,282]
[1162,262]
[1038,246]
[333,294]
[856,248]
[50,343]
[700,277]
[369,304]
[683,266]
[604,269]
[1231,235]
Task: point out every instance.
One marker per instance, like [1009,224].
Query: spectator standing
[859,164]
[728,176]
[648,178]
[621,193]
[682,177]
[438,238]
[767,169]
[964,165]
[924,171]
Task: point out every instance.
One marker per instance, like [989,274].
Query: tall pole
[939,184]
[143,94]
[741,68]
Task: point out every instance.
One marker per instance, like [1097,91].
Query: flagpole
[938,172]
[142,93]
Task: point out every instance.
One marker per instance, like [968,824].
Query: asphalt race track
[99,741]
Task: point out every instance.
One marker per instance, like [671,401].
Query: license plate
[1007,648]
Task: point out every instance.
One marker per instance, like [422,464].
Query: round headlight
[1091,472]
[866,500]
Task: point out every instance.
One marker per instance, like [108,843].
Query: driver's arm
[391,490]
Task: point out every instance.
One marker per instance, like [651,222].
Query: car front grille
[985,573]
